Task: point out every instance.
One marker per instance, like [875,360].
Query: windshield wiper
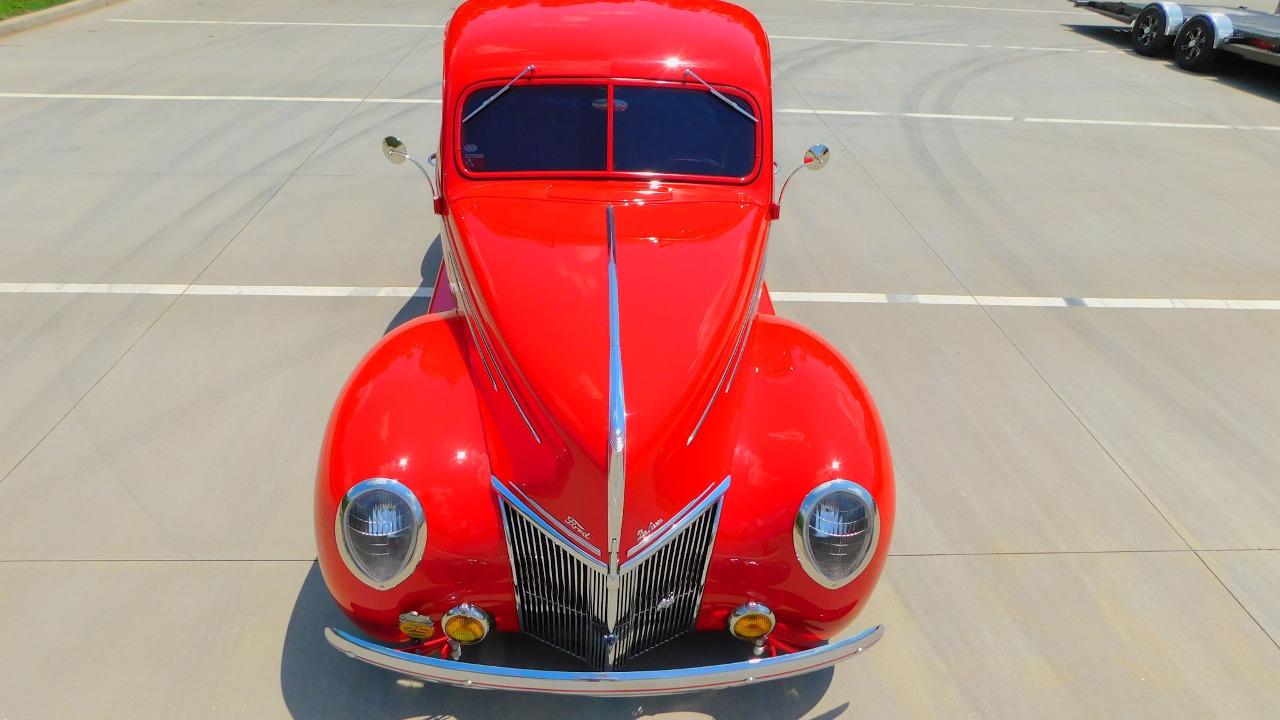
[498,94]
[688,72]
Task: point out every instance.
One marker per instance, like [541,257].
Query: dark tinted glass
[839,534]
[679,131]
[536,127]
[380,533]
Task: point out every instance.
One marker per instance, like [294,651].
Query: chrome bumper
[602,684]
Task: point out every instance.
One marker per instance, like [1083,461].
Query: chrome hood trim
[605,684]
[650,543]
[548,522]
[617,457]
[488,357]
[583,547]
[739,348]
[587,382]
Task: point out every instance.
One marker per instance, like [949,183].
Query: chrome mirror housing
[815,158]
[394,149]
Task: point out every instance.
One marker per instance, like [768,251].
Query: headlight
[836,532]
[381,532]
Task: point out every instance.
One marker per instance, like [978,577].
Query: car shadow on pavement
[1230,70]
[319,683]
[417,306]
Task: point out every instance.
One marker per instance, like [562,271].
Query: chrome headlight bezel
[804,553]
[419,526]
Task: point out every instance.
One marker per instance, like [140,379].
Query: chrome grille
[562,598]
[661,594]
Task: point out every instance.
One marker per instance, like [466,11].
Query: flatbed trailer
[1198,34]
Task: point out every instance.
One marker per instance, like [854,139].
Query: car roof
[643,39]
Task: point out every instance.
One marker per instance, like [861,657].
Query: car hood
[537,270]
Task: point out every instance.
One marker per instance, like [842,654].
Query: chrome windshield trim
[672,528]
[688,72]
[602,684]
[558,532]
[498,94]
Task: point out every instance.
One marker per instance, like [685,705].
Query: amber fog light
[416,626]
[752,621]
[466,624]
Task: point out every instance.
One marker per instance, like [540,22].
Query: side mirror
[815,158]
[396,152]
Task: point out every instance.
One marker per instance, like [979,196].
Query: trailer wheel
[1193,49]
[1149,37]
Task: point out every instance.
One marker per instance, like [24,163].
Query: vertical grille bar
[561,595]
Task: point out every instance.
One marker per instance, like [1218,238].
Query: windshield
[565,128]
[536,127]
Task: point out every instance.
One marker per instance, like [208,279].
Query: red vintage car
[601,435]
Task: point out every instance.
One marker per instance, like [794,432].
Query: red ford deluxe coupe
[601,436]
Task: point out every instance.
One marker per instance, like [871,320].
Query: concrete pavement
[1087,496]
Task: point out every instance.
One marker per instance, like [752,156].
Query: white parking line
[1046,121]
[780,111]
[811,111]
[811,38]
[215,98]
[946,116]
[927,43]
[777,295]
[237,290]
[1024,301]
[195,98]
[1199,126]
[951,7]
[412,26]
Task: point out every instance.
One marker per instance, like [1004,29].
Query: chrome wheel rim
[1147,31]
[1194,44]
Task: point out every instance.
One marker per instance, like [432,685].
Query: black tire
[1148,33]
[1193,49]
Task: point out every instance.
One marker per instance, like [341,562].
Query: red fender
[805,418]
[409,413]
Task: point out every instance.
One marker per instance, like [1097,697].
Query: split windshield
[565,128]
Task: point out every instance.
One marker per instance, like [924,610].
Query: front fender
[409,413]
[805,418]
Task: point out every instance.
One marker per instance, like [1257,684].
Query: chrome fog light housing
[466,624]
[751,621]
[381,532]
[836,531]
